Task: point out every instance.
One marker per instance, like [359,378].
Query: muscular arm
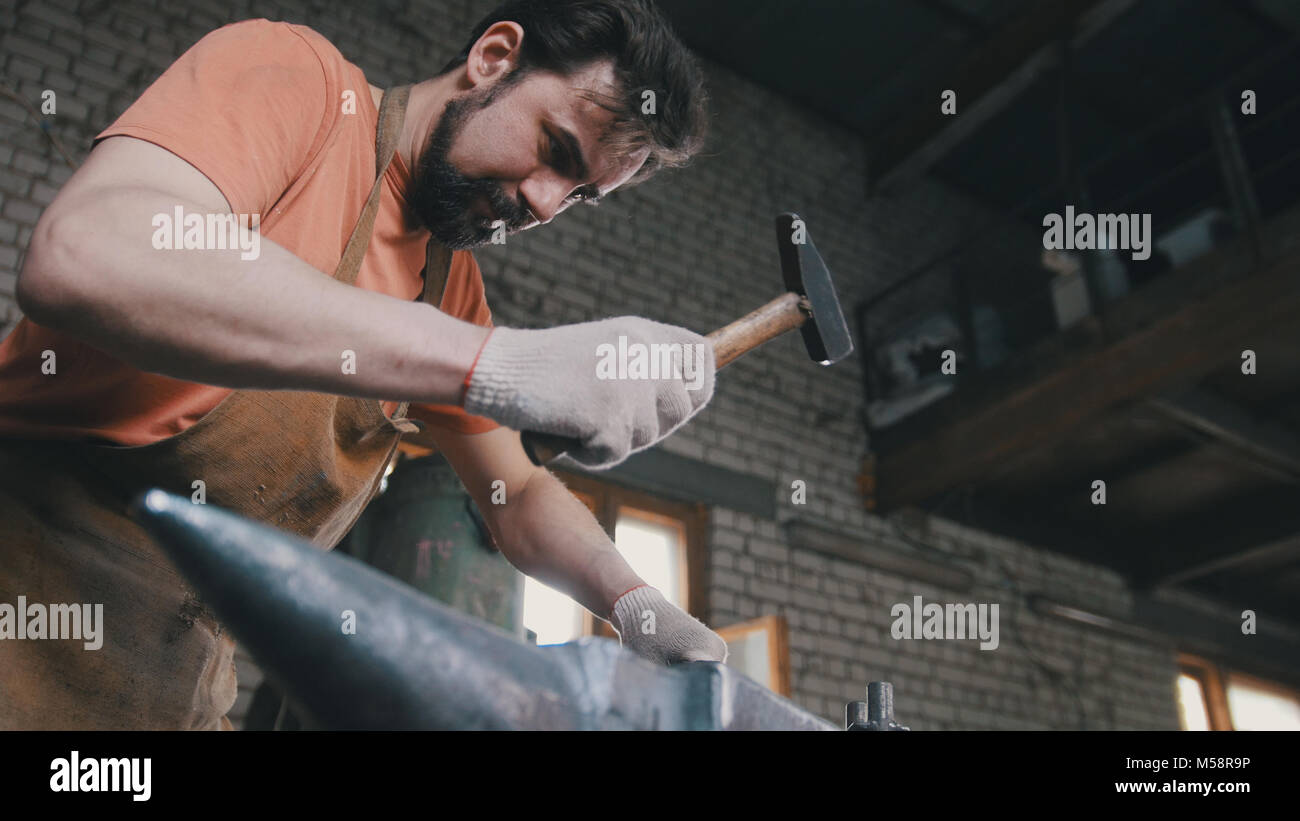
[542,529]
[208,315]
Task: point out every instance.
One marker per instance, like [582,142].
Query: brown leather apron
[304,462]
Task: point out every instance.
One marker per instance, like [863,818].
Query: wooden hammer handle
[785,313]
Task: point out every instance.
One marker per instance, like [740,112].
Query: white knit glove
[567,381]
[659,630]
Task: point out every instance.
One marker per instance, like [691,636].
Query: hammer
[808,304]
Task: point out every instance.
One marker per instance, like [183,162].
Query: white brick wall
[696,248]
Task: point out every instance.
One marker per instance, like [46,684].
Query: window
[660,539]
[1210,698]
[1262,705]
[1193,712]
[758,648]
[550,615]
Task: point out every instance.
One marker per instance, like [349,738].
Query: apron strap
[437,266]
[392,113]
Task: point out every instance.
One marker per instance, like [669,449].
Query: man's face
[521,156]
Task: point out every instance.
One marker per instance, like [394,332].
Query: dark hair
[564,36]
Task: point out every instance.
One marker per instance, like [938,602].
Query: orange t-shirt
[259,108]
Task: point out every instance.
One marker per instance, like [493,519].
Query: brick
[808,599]
[765,548]
[848,571]
[70,107]
[836,646]
[60,172]
[52,15]
[723,600]
[23,69]
[769,591]
[43,194]
[728,580]
[103,56]
[21,211]
[40,54]
[29,163]
[773,572]
[811,561]
[728,538]
[14,183]
[847,610]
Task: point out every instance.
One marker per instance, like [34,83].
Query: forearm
[548,534]
[210,316]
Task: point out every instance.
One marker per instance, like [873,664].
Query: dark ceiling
[857,62]
[867,64]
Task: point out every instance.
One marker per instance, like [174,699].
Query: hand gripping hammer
[808,304]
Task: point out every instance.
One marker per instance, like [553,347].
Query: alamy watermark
[81,622]
[920,620]
[1086,232]
[653,360]
[77,774]
[208,232]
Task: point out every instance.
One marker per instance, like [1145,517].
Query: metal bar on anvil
[410,662]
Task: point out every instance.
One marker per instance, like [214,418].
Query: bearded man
[280,382]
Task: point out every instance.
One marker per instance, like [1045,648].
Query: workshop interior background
[814,500]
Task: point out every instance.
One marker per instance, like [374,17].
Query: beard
[442,199]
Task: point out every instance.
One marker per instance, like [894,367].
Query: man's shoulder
[261,27]
[286,40]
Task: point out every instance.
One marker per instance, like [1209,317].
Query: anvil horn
[415,664]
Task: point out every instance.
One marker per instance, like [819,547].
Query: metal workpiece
[355,649]
[876,713]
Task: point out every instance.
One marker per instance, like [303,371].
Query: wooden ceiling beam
[1159,339]
[986,80]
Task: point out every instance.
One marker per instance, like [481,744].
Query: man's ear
[495,54]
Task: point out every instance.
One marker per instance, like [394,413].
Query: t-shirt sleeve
[247,105]
[463,298]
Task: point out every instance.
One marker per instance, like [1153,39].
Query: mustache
[441,192]
[511,212]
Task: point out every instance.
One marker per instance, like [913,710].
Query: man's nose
[545,196]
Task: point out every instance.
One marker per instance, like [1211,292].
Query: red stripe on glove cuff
[464,388]
[621,595]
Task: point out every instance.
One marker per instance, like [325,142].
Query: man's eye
[557,151]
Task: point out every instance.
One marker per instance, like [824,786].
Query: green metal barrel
[425,530]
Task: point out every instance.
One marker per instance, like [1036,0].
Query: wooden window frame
[1215,679]
[1213,691]
[778,650]
[1277,688]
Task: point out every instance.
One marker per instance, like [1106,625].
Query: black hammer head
[826,333]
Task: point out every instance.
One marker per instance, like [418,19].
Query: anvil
[353,648]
